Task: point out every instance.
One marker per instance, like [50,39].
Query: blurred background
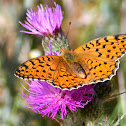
[89,19]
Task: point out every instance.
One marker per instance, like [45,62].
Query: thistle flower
[45,99]
[44,21]
[47,23]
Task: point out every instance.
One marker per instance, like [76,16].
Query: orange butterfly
[95,61]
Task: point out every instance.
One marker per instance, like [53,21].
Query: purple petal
[44,21]
[45,99]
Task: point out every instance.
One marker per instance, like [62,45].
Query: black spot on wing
[48,64]
[90,68]
[43,58]
[94,80]
[105,38]
[75,86]
[105,63]
[92,44]
[116,37]
[95,67]
[103,46]
[113,71]
[41,65]
[90,61]
[107,56]
[97,50]
[52,69]
[112,43]
[39,78]
[44,71]
[99,64]
[114,47]
[40,60]
[32,62]
[100,54]
[25,66]
[37,70]
[112,57]
[48,58]
[123,52]
[83,48]
[17,70]
[87,46]
[101,79]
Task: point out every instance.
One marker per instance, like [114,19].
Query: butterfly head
[68,55]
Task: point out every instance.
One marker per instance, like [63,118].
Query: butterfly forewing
[109,48]
[52,69]
[41,68]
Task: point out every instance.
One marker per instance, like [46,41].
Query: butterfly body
[71,58]
[95,61]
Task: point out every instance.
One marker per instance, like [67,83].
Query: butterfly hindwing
[98,71]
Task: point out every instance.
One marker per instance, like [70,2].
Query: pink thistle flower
[45,99]
[44,21]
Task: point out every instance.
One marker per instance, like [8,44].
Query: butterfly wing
[67,79]
[52,69]
[41,68]
[101,56]
[110,48]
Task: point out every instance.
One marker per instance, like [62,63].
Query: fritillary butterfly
[95,61]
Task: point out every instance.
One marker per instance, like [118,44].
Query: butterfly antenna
[68,29]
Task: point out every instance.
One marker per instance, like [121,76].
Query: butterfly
[94,61]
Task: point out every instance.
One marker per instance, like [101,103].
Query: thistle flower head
[44,21]
[47,23]
[45,99]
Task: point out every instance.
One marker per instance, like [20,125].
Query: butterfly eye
[68,56]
